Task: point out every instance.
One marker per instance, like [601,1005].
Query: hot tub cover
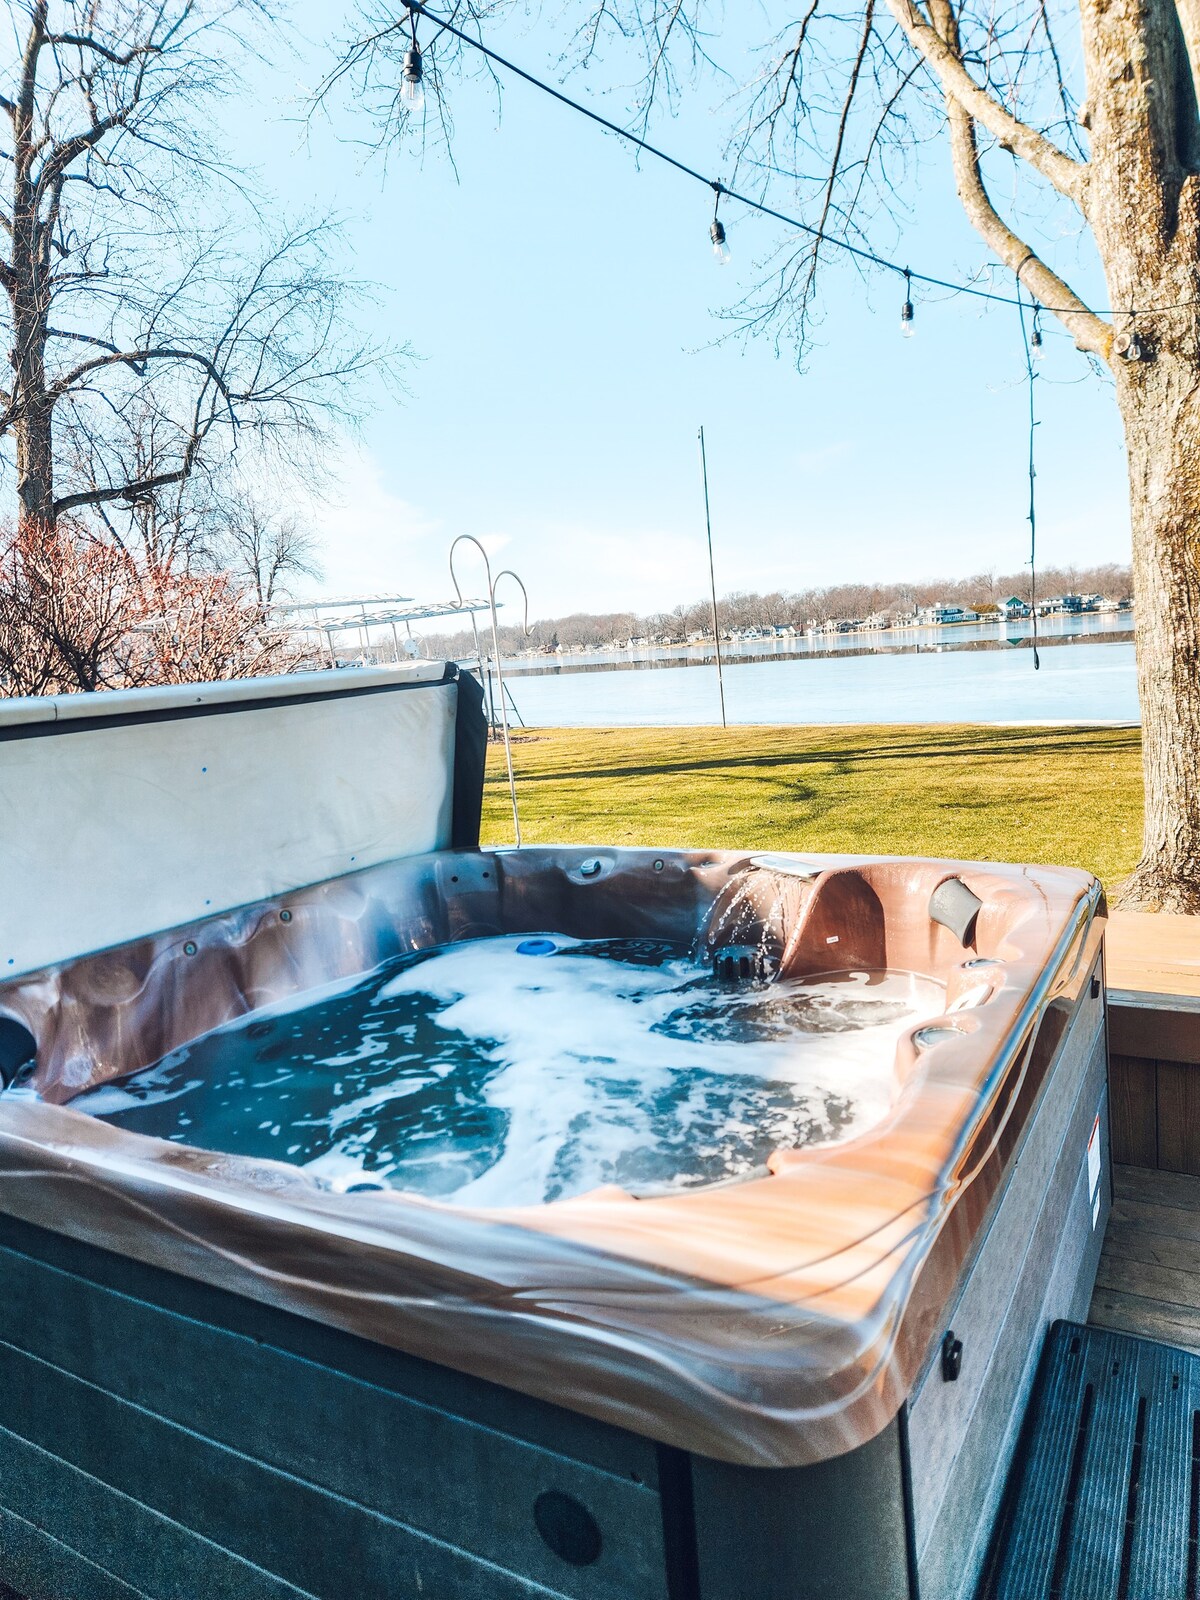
[770,1322]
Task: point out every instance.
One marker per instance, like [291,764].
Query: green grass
[1070,796]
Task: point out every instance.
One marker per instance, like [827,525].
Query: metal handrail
[469,538]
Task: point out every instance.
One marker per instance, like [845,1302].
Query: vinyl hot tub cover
[776,1320]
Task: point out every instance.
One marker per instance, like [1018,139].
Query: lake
[1084,682]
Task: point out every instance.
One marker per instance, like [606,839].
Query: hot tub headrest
[955,907]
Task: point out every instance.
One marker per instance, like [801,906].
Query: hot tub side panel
[1035,1261]
[163,1438]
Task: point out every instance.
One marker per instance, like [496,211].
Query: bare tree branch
[1091,332]
[137,359]
[1069,177]
[84,41]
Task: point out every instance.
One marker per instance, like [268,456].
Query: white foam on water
[583,1058]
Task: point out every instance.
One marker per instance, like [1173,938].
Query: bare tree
[847,95]
[266,550]
[144,338]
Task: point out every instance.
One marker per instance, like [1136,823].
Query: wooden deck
[1149,1278]
[1153,953]
[1153,973]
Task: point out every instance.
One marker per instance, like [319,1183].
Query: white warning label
[1093,1170]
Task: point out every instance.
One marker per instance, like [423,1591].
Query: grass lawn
[1065,795]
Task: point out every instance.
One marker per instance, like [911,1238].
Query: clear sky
[563,302]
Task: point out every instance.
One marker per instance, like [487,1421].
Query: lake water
[1084,682]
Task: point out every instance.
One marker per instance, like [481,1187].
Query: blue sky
[563,303]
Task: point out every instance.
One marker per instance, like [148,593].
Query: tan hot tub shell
[774,1322]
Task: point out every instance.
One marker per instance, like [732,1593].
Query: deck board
[1175,1222]
[1143,1184]
[1153,953]
[1148,1283]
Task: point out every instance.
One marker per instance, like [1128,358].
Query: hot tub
[800,1374]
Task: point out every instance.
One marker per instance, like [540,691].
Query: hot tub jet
[738,964]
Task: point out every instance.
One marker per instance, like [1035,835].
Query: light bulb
[1037,345]
[907,327]
[719,242]
[412,86]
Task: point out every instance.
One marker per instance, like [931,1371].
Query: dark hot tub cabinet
[222,1377]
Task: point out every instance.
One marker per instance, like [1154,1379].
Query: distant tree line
[841,602]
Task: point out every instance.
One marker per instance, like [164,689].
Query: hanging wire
[1031,379]
[415,7]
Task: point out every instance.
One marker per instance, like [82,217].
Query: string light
[1130,346]
[907,327]
[412,76]
[1037,345]
[716,233]
[417,7]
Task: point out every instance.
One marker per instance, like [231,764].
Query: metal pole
[513,704]
[469,538]
[491,700]
[712,579]
[485,677]
[512,782]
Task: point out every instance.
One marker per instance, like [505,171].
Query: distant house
[937,615]
[1014,606]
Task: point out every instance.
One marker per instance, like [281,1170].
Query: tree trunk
[1143,203]
[35,466]
[27,279]
[34,406]
[1160,407]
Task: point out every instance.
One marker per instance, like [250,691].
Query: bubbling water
[519,1070]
